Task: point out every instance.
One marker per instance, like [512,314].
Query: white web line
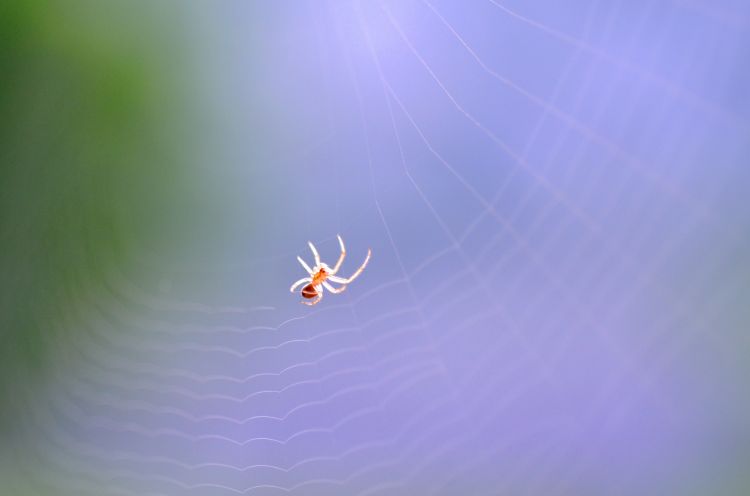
[454,475]
[80,414]
[675,89]
[518,158]
[395,97]
[455,245]
[642,274]
[551,109]
[392,243]
[489,208]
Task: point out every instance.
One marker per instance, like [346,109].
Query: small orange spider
[322,273]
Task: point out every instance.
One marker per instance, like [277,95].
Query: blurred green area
[93,125]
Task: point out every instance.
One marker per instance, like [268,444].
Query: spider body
[319,277]
[309,291]
[321,274]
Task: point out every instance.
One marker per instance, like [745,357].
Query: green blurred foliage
[92,119]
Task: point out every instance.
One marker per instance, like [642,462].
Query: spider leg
[341,257]
[299,283]
[314,301]
[305,266]
[344,280]
[315,253]
[332,289]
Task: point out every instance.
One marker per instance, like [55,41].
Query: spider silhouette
[321,274]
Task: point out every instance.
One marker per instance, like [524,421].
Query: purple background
[555,196]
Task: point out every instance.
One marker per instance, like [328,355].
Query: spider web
[554,198]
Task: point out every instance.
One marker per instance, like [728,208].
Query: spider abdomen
[309,291]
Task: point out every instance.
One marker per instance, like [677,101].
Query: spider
[322,273]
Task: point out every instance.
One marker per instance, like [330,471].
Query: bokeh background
[555,194]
